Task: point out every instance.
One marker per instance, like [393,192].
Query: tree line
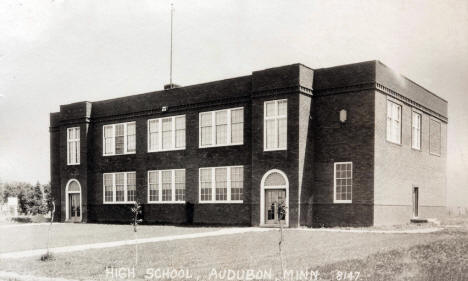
[32,199]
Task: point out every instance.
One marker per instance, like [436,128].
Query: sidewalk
[38,252]
[403,231]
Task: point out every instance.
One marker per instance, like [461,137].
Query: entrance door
[75,211]
[415,202]
[274,199]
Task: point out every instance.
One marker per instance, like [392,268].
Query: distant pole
[170,70]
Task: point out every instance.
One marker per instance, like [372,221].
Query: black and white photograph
[234,140]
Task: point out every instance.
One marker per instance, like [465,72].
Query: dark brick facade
[315,140]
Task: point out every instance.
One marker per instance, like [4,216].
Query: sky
[59,52]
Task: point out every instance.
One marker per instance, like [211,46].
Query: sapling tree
[281,215]
[136,211]
[48,255]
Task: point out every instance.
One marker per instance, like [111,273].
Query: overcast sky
[58,52]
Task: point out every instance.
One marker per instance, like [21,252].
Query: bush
[47,257]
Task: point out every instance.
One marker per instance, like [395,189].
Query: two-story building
[352,145]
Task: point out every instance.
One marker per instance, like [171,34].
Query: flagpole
[170,70]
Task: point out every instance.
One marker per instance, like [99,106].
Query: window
[221,184]
[343,182]
[416,131]
[119,187]
[119,139]
[434,137]
[222,127]
[393,122]
[166,186]
[275,125]
[73,146]
[166,133]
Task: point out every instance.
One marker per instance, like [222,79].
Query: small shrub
[48,257]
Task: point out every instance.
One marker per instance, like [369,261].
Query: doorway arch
[73,202]
[274,184]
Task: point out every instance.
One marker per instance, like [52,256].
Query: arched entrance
[274,193]
[73,201]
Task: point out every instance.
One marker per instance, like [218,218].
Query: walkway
[38,252]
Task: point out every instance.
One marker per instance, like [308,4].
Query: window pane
[237,126]
[153,186]
[167,133]
[282,132]
[180,185]
[180,131]
[131,186]
[270,109]
[119,187]
[237,183]
[282,107]
[166,185]
[153,135]
[205,182]
[119,138]
[108,188]
[221,127]
[270,133]
[434,137]
[131,137]
[108,139]
[205,120]
[221,183]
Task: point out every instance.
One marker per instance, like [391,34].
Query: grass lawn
[29,237]
[375,256]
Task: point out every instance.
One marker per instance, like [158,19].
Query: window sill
[392,142]
[416,149]
[274,149]
[221,202]
[166,202]
[342,201]
[76,164]
[166,150]
[119,203]
[435,154]
[219,145]
[129,153]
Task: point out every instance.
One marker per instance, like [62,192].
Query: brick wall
[398,168]
[336,142]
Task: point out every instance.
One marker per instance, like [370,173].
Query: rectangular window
[166,186]
[119,139]
[416,130]
[119,187]
[434,137]
[166,133]
[343,182]
[222,127]
[393,122]
[275,125]
[221,184]
[73,146]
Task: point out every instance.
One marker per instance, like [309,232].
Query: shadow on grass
[440,260]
